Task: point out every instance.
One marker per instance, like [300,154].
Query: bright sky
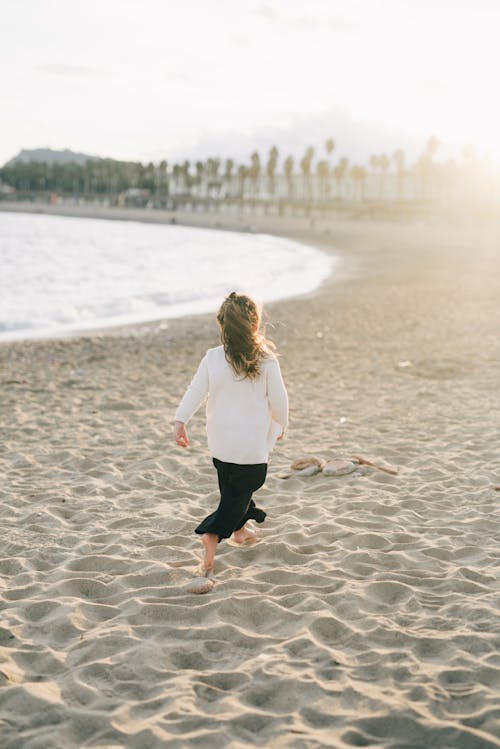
[146,79]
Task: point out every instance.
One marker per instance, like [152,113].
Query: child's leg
[253,477]
[210,541]
[254,513]
[237,484]
[243,480]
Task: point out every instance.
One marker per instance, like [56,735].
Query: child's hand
[282,435]
[180,434]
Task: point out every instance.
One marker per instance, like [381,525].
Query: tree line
[315,178]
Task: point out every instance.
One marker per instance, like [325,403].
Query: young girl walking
[246,411]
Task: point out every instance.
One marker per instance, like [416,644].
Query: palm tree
[375,162]
[176,173]
[199,168]
[228,175]
[288,172]
[305,166]
[329,148]
[140,172]
[243,172]
[323,172]
[162,178]
[86,180]
[149,177]
[186,174]
[339,173]
[381,164]
[254,171]
[358,175]
[212,168]
[197,179]
[272,163]
[213,179]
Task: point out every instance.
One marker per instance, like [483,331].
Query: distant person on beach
[247,411]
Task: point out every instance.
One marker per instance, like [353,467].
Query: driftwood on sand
[363,461]
[310,465]
[301,463]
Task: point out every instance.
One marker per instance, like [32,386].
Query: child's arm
[191,401]
[277,394]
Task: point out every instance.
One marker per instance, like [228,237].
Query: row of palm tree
[303,179]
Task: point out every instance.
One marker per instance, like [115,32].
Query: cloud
[265,11]
[67,70]
[354,139]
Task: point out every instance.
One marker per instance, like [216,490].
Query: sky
[174,79]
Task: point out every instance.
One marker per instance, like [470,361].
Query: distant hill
[50,156]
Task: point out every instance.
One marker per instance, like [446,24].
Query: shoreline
[343,239]
[298,232]
[368,612]
[251,223]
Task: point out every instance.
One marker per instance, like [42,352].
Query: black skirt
[237,483]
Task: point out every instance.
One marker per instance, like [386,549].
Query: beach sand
[368,614]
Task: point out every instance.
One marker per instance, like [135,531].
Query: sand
[368,614]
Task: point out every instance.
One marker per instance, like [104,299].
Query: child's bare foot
[203,571]
[210,541]
[244,536]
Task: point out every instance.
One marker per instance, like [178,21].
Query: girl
[247,410]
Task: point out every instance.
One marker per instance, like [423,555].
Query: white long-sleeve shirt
[245,416]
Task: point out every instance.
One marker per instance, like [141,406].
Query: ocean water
[60,274]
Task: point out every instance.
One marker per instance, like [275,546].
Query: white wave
[59,274]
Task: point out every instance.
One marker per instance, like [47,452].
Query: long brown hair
[244,345]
